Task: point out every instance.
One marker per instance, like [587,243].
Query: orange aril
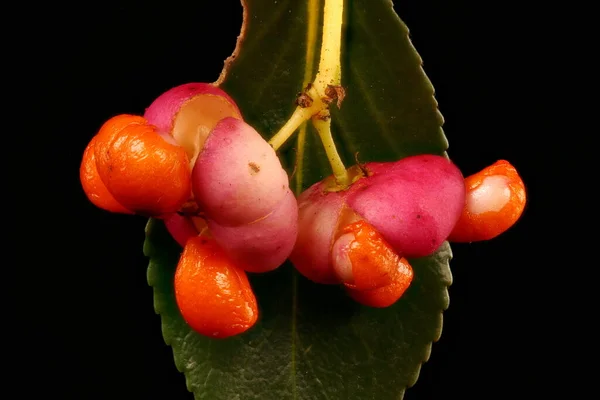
[387,295]
[146,172]
[213,294]
[362,258]
[495,200]
[94,188]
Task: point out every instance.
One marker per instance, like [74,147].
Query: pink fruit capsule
[237,178]
[183,228]
[262,245]
[414,202]
[411,204]
[189,112]
[318,215]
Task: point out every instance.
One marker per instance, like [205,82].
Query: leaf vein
[372,109]
[260,33]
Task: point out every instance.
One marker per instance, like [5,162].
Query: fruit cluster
[222,193]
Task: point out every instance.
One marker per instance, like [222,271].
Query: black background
[90,323]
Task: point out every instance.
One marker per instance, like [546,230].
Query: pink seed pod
[318,214]
[238,177]
[181,228]
[414,202]
[189,112]
[239,187]
[262,245]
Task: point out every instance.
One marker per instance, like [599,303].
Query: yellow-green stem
[323,127]
[298,117]
[329,73]
[329,63]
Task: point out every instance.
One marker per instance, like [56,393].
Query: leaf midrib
[311,40]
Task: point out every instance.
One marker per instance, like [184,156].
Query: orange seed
[387,295]
[213,294]
[145,171]
[495,200]
[362,257]
[94,188]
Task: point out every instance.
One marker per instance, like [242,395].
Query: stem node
[313,103]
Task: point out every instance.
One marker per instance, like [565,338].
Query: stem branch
[298,117]
[323,127]
[329,74]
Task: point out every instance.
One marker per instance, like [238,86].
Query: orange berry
[495,199]
[145,171]
[387,295]
[213,294]
[94,188]
[362,258]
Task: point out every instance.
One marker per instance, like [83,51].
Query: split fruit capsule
[412,203]
[213,294]
[362,236]
[495,200]
[189,112]
[238,183]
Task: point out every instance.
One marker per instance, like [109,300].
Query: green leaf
[312,341]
